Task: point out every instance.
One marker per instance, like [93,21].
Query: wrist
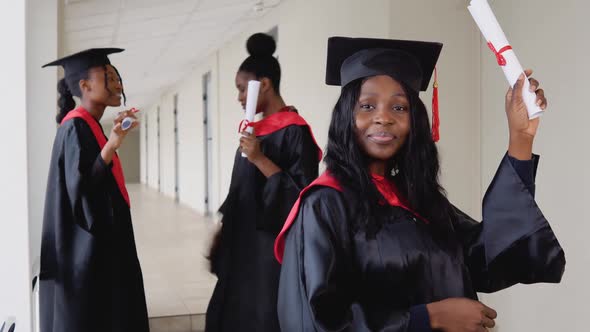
[520,146]
[434,314]
[108,151]
[258,159]
[521,138]
[110,147]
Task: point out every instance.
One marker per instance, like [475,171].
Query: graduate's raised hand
[117,133]
[522,129]
[250,146]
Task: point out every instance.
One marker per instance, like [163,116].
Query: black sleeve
[299,167]
[527,171]
[514,243]
[85,175]
[318,279]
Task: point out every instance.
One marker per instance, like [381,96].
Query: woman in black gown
[90,277]
[373,244]
[282,159]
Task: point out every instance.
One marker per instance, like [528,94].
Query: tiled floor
[187,323]
[172,240]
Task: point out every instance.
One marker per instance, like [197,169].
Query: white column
[28,95]
[42,47]
[15,292]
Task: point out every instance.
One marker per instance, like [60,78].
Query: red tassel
[435,116]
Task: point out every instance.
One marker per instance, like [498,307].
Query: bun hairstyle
[260,44]
[261,62]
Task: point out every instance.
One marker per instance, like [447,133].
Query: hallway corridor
[172,240]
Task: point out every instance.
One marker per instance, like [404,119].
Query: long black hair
[261,62]
[69,87]
[416,164]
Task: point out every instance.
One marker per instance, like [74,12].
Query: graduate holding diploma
[277,158]
[373,244]
[90,278]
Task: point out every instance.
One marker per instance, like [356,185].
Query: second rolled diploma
[251,104]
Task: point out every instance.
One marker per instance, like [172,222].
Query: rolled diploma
[126,123]
[493,33]
[251,103]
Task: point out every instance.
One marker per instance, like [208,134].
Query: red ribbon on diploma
[243,125]
[501,59]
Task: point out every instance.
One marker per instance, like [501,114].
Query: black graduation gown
[334,279]
[90,274]
[245,296]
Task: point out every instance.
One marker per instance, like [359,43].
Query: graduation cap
[76,64]
[407,61]
[81,61]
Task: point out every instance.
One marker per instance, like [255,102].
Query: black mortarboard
[407,61]
[411,62]
[81,61]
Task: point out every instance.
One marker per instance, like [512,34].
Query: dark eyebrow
[368,94]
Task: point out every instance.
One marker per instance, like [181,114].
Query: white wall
[190,131]
[152,166]
[551,39]
[130,157]
[143,153]
[167,171]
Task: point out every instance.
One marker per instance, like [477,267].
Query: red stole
[117,170]
[385,187]
[277,121]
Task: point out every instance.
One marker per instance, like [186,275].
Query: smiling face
[96,91]
[382,118]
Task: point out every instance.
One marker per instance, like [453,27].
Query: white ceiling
[163,39]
